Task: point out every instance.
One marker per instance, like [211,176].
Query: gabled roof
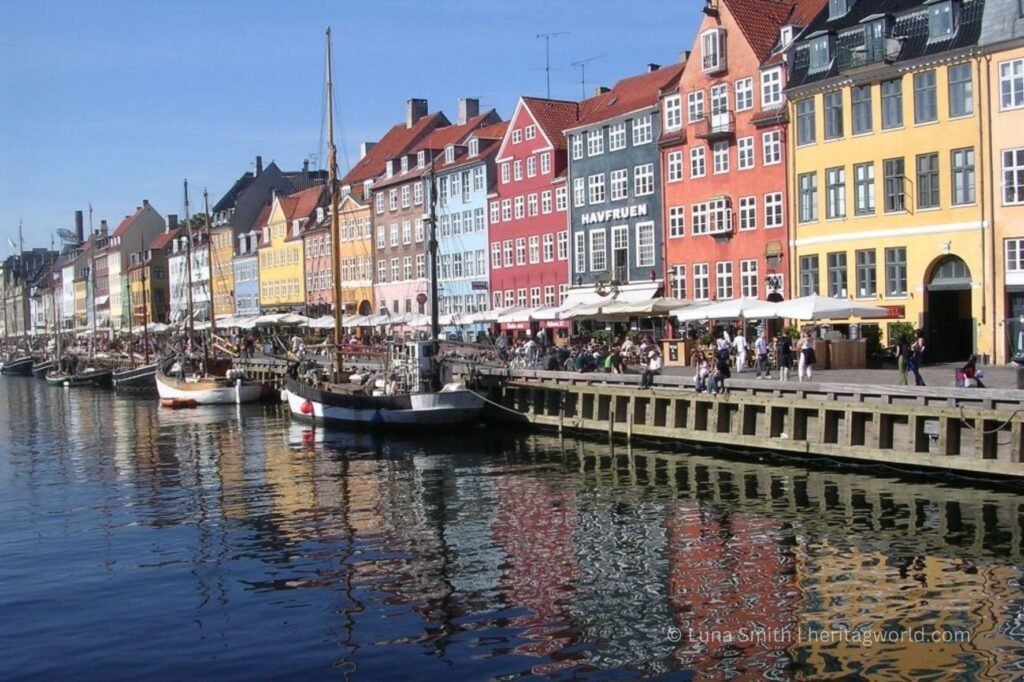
[629,94]
[301,204]
[164,238]
[553,116]
[760,20]
[487,147]
[395,142]
[126,224]
[262,219]
[495,132]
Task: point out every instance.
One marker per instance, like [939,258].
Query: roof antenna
[582,64]
[547,55]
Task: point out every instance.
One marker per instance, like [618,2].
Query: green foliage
[872,334]
[602,336]
[898,330]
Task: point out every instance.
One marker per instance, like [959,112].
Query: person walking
[805,365]
[740,344]
[903,356]
[784,347]
[917,357]
[653,368]
[761,348]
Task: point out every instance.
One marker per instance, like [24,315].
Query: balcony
[866,58]
[714,127]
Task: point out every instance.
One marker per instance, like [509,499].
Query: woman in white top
[805,365]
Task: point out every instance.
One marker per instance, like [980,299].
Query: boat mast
[145,303]
[24,288]
[92,274]
[435,330]
[332,184]
[188,273]
[209,248]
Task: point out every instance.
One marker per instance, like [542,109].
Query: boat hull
[418,410]
[99,377]
[21,366]
[136,379]
[207,391]
[41,369]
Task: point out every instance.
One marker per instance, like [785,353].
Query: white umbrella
[293,319]
[492,315]
[733,309]
[816,307]
[653,306]
[583,310]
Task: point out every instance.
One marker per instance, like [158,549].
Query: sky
[108,102]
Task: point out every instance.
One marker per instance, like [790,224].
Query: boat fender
[377,418]
[307,407]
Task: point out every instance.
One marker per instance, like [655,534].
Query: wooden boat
[22,365]
[41,369]
[136,379]
[90,376]
[208,390]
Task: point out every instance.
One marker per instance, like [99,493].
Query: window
[545,201]
[507,260]
[835,193]
[771,88]
[925,106]
[577,147]
[837,274]
[382,271]
[549,295]
[395,269]
[381,237]
[719,100]
[698,164]
[892,104]
[771,147]
[819,54]
[531,203]
[748,278]
[620,250]
[805,121]
[720,156]
[676,221]
[1013,176]
[712,217]
[394,234]
[748,213]
[417,194]
[645,245]
[677,281]
[744,153]
[506,209]
[617,136]
[545,163]
[519,203]
[940,21]
[961,90]
[549,247]
[598,251]
[808,275]
[1014,255]
[531,131]
[744,94]
[405,193]
[927,181]
[673,112]
[407,267]
[808,184]
[580,254]
[695,106]
[406,232]
[517,136]
[894,195]
[833,115]
[643,130]
[675,166]
[595,188]
[517,169]
[505,176]
[866,284]
[837,8]
[723,280]
[521,297]
[521,251]
[595,142]
[773,209]
[495,255]
[862,122]
[1011,84]
[563,245]
[534,249]
[864,188]
[561,198]
[896,271]
[643,180]
[712,50]
[579,192]
[531,166]
[701,286]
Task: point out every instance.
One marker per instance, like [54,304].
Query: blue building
[615,186]
[246,265]
[465,179]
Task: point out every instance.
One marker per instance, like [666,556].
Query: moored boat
[21,365]
[41,369]
[91,376]
[136,379]
[208,390]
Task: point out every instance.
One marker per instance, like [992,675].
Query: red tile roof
[164,238]
[262,219]
[554,116]
[122,228]
[395,142]
[630,94]
[301,204]
[760,20]
[457,134]
[496,131]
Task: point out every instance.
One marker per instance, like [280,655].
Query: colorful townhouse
[615,176]
[887,142]
[527,214]
[356,250]
[1002,42]
[135,230]
[319,266]
[401,210]
[465,176]
[246,267]
[101,278]
[189,245]
[723,156]
[282,262]
[71,263]
[149,285]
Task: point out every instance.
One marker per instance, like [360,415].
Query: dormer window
[421,159]
[390,169]
[449,153]
[940,21]
[405,164]
[474,147]
[838,8]
[367,188]
[785,36]
[319,214]
[819,54]
[295,228]
[712,50]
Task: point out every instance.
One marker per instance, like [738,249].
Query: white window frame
[675,166]
[724,280]
[748,213]
[676,221]
[598,256]
[720,157]
[701,282]
[744,94]
[643,179]
[1011,84]
[673,112]
[520,250]
[712,50]
[771,148]
[596,189]
[745,153]
[695,106]
[698,162]
[645,244]
[580,255]
[562,245]
[545,163]
[617,136]
[749,278]
[545,201]
[771,88]
[771,201]
[579,192]
[1012,176]
[643,130]
[595,142]
[619,181]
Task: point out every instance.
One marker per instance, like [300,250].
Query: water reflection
[246,544]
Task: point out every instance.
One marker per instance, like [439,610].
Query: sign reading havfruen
[624,213]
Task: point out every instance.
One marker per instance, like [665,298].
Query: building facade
[130,235]
[318,252]
[282,261]
[887,142]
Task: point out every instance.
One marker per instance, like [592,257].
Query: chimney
[415,109]
[600,90]
[651,68]
[103,228]
[259,165]
[305,167]
[172,222]
[364,149]
[684,56]
[145,203]
[79,227]
[468,108]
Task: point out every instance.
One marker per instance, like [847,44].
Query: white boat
[227,390]
[408,397]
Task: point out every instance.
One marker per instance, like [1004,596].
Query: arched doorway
[949,322]
[365,307]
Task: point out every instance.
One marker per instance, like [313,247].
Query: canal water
[227,543]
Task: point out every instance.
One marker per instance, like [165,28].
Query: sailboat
[418,400]
[13,363]
[215,383]
[142,378]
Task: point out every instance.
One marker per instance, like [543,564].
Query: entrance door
[949,323]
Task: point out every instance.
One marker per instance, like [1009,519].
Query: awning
[102,300]
[589,303]
[540,313]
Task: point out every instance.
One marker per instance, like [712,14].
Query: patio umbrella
[816,307]
[732,309]
[654,307]
[290,319]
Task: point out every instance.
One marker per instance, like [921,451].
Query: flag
[10,243]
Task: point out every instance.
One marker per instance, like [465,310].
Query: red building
[527,219]
[723,153]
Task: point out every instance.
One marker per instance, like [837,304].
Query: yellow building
[355,256]
[81,285]
[222,270]
[282,260]
[888,162]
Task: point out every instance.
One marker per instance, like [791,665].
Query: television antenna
[68,236]
[581,64]
[547,55]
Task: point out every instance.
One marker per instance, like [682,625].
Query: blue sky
[111,102]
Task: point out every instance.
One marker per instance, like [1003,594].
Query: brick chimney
[103,228]
[468,108]
[259,166]
[79,226]
[172,222]
[145,203]
[364,149]
[415,109]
